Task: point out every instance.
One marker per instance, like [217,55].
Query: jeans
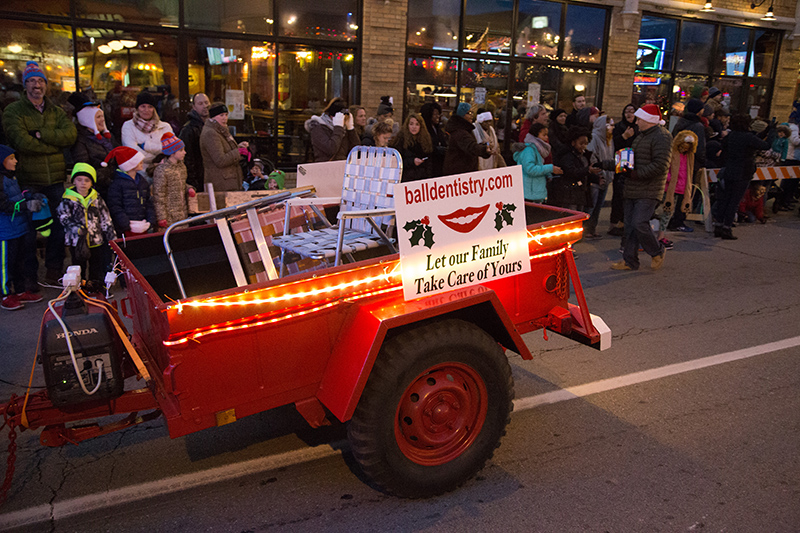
[728,198]
[618,200]
[55,250]
[638,212]
[598,199]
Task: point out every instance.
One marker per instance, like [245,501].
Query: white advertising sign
[234,99]
[480,95]
[534,93]
[461,230]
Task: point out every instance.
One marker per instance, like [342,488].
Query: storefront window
[484,83]
[229,15]
[118,65]
[312,19]
[651,88]
[757,99]
[307,79]
[577,81]
[583,34]
[695,42]
[537,84]
[538,33]
[433,24]
[48,44]
[430,79]
[656,43]
[487,26]
[688,86]
[763,56]
[44,7]
[156,12]
[732,52]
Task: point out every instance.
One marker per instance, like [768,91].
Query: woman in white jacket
[143,132]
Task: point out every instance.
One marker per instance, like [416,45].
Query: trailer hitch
[58,434]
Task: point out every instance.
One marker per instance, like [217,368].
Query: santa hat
[32,70]
[127,158]
[650,113]
[171,144]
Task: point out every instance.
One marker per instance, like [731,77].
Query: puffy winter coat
[148,144]
[690,121]
[129,199]
[169,191]
[652,151]
[41,160]
[571,187]
[462,148]
[220,158]
[14,221]
[190,135]
[89,149]
[534,171]
[86,217]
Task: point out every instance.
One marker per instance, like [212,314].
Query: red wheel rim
[441,414]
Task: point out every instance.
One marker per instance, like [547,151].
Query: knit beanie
[385,107]
[650,113]
[171,144]
[86,117]
[694,105]
[83,169]
[5,153]
[462,109]
[127,158]
[713,91]
[32,70]
[145,97]
[217,109]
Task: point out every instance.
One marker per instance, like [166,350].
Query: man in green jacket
[644,188]
[39,131]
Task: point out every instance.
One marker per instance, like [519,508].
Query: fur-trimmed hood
[681,138]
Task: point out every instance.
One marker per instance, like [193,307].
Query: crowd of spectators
[135,177]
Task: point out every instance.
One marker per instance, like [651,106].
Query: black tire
[433,411]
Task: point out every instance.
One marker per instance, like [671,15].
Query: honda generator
[81,355]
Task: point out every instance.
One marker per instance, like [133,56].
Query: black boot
[727,235]
[717,231]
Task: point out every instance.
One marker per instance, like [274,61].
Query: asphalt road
[712,448]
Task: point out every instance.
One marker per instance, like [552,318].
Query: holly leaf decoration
[503,217]
[419,231]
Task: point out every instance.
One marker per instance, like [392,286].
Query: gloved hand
[338,119]
[162,223]
[34,205]
[348,121]
[191,193]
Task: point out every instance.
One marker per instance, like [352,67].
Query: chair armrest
[363,213]
[327,200]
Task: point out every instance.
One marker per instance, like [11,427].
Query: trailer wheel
[434,408]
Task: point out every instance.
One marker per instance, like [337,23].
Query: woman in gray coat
[220,152]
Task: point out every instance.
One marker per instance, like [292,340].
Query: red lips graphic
[464,220]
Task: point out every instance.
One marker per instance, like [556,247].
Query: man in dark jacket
[190,135]
[644,188]
[39,131]
[462,148]
[578,103]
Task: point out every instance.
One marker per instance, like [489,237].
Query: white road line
[95,502]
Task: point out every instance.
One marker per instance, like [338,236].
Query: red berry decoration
[499,206]
[425,221]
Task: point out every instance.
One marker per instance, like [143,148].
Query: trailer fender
[363,334]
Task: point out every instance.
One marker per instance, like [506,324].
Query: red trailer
[424,385]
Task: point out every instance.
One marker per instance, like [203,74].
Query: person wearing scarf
[531,155]
[220,152]
[94,141]
[558,132]
[485,133]
[143,132]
